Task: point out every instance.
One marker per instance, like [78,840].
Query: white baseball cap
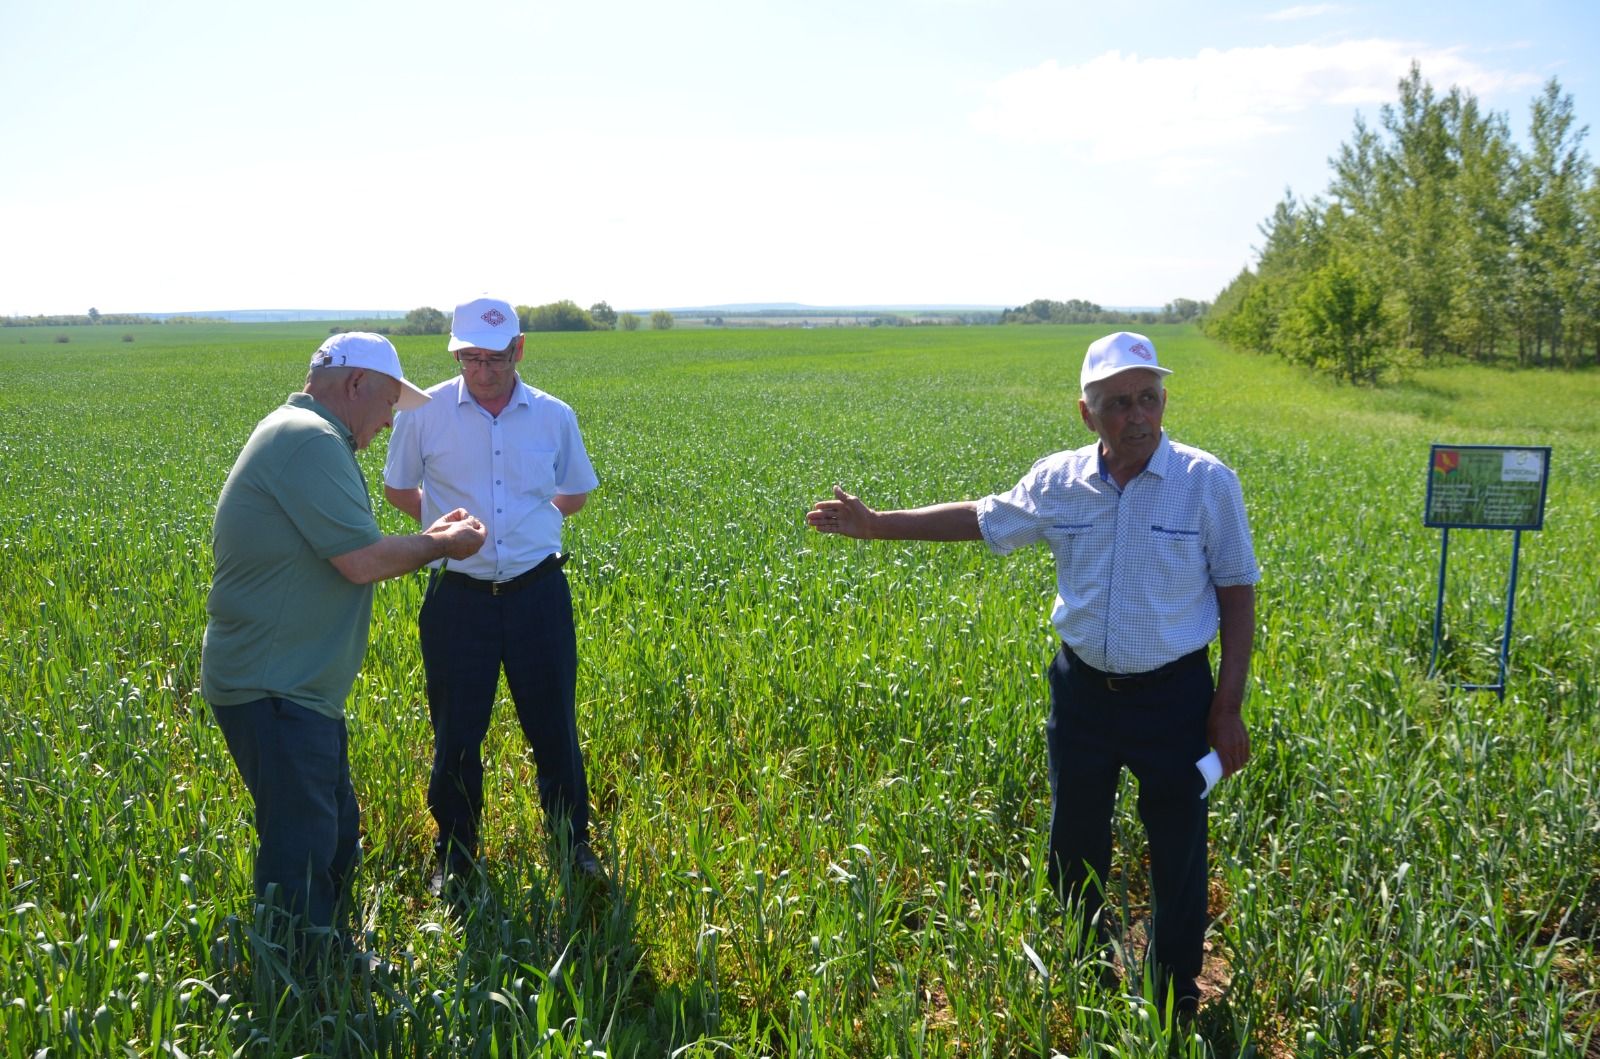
[484,323]
[1117,353]
[363,349]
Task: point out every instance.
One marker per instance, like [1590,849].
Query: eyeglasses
[495,361]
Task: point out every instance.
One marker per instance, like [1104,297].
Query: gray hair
[1091,392]
[327,375]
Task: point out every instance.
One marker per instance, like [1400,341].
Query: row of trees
[566,316]
[93,316]
[1078,311]
[1438,237]
[563,315]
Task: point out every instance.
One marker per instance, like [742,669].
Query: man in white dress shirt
[1153,559]
[516,452]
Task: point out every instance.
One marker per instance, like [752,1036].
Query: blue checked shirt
[1136,569]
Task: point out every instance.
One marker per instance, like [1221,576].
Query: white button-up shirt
[1137,568]
[504,469]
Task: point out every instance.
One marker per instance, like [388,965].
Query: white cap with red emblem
[1117,353]
[484,323]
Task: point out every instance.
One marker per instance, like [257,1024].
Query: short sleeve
[1230,552]
[1011,520]
[402,465]
[321,491]
[574,472]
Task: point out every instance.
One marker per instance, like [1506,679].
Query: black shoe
[346,951]
[1185,1005]
[1108,976]
[586,866]
[452,886]
[370,965]
[1183,993]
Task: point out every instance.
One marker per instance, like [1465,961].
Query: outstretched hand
[844,514]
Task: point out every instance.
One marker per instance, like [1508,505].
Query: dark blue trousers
[468,637]
[1156,729]
[296,764]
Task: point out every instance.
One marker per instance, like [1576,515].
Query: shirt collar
[309,403]
[1096,467]
[521,393]
[1159,458]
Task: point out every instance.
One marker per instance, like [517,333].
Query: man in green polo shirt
[297,551]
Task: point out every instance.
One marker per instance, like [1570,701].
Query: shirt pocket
[1176,536]
[533,472]
[1065,537]
[1178,557]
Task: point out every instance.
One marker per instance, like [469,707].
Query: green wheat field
[817,765]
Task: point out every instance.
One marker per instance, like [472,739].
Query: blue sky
[175,156]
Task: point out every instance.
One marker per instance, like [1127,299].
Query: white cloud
[1305,11]
[1128,107]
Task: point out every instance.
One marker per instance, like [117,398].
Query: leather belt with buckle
[550,565]
[1118,682]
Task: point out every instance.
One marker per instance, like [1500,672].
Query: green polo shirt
[283,621]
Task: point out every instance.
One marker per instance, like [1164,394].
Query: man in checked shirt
[1153,560]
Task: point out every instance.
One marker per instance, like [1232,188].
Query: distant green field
[817,765]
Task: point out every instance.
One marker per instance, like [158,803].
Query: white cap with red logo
[484,323]
[1117,353]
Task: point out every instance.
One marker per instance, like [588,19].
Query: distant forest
[93,316]
[1077,311]
[1438,237]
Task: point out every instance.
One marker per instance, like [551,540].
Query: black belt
[1129,681]
[550,565]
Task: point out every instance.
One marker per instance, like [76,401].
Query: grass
[817,765]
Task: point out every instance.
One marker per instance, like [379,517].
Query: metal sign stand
[1499,687]
[1485,487]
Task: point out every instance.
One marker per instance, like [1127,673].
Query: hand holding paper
[1210,768]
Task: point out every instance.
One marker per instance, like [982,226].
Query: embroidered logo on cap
[1140,350]
[494,317]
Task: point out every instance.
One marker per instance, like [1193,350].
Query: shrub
[63,338]
[127,338]
[424,320]
[563,315]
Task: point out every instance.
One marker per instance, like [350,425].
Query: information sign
[1487,487]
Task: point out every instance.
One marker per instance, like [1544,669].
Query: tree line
[93,316]
[564,315]
[1438,237]
[1078,311]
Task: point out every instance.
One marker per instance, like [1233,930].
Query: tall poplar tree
[1553,176]
[1415,186]
[1437,237]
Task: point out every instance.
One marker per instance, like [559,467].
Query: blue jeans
[467,638]
[1158,731]
[296,764]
